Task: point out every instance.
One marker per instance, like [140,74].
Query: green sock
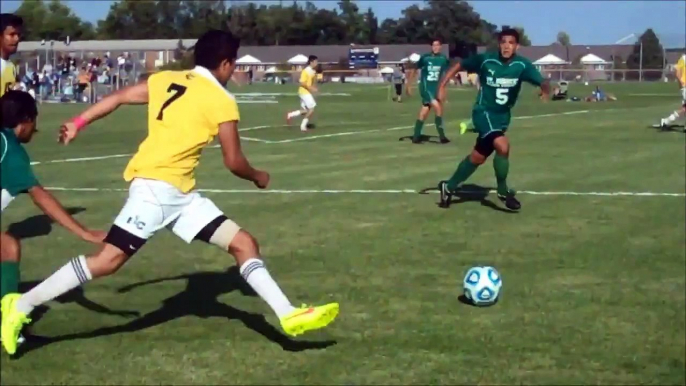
[501,166]
[439,127]
[418,128]
[465,169]
[9,277]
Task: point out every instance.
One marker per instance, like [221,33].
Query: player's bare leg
[438,113]
[419,124]
[501,166]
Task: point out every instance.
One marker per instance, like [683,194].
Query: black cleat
[446,194]
[510,201]
[416,141]
[444,140]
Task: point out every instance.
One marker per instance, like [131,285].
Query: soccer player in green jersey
[432,66]
[19,115]
[501,75]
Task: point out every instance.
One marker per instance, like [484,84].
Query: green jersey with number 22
[432,69]
[500,81]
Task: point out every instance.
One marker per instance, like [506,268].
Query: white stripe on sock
[255,273]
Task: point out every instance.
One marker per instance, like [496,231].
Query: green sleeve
[532,75]
[16,175]
[472,63]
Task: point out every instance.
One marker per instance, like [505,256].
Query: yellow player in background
[680,72]
[306,92]
[11,26]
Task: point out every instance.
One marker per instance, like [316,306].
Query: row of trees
[260,24]
[285,24]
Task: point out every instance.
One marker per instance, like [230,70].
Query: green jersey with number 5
[501,81]
[432,68]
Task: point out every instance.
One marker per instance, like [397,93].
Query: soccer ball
[482,285]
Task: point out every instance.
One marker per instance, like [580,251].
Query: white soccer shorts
[683,96]
[153,205]
[5,199]
[307,101]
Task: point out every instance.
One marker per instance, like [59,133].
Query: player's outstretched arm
[446,79]
[234,159]
[132,95]
[50,206]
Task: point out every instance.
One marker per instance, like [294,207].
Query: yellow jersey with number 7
[185,109]
[8,76]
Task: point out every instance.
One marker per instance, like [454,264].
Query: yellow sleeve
[304,77]
[681,64]
[222,109]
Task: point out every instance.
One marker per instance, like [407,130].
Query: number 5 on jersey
[501,96]
[179,91]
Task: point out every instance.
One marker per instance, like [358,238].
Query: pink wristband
[80,123]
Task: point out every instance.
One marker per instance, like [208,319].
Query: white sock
[672,117]
[256,274]
[303,125]
[70,276]
[294,114]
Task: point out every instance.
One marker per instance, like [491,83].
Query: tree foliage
[52,20]
[284,23]
[653,53]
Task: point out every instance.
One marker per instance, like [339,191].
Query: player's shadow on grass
[472,193]
[200,299]
[35,226]
[423,139]
[671,129]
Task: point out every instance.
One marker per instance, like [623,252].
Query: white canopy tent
[593,59]
[298,59]
[386,70]
[247,59]
[548,60]
[270,70]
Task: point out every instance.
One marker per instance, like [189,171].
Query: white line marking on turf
[385,191]
[303,138]
[81,159]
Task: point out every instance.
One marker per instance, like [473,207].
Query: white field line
[310,138]
[385,191]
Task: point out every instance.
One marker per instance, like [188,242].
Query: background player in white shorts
[306,91]
[681,78]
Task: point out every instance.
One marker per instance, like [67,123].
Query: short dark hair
[10,20]
[17,107]
[436,40]
[311,58]
[214,47]
[509,32]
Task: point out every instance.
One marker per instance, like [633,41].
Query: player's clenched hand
[68,132]
[95,237]
[261,179]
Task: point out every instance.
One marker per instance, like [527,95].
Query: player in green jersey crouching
[431,66]
[19,115]
[501,75]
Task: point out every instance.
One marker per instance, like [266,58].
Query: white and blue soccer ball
[482,285]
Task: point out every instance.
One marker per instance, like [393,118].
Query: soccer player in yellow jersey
[11,26]
[306,91]
[681,78]
[186,110]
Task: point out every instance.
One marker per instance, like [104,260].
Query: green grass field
[593,284]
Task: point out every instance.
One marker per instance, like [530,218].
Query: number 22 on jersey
[178,90]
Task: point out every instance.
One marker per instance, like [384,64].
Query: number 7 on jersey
[179,91]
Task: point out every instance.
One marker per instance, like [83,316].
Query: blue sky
[587,22]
